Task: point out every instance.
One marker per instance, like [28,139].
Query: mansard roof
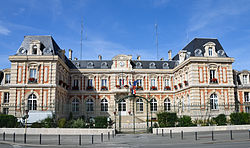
[47,42]
[86,64]
[158,64]
[198,43]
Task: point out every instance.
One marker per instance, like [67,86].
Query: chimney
[162,59]
[100,57]
[138,58]
[70,54]
[170,55]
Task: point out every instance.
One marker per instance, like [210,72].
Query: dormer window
[165,66]
[198,52]
[104,65]
[90,65]
[210,51]
[152,65]
[34,49]
[138,65]
[244,79]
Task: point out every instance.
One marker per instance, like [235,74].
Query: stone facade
[199,81]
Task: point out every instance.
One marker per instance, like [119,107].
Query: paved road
[204,140]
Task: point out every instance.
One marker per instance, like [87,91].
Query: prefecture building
[199,81]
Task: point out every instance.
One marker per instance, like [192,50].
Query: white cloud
[4,30]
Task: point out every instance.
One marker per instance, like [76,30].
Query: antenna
[156,33]
[81,39]
[187,37]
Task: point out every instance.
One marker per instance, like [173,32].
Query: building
[199,81]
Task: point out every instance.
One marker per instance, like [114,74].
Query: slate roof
[46,42]
[83,64]
[158,64]
[197,43]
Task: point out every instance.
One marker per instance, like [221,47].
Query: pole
[14,137]
[133,112]
[92,139]
[171,134]
[181,135]
[59,142]
[196,136]
[147,118]
[40,139]
[212,135]
[151,121]
[80,140]
[231,134]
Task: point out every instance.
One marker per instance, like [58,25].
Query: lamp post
[26,116]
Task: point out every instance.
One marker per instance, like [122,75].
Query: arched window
[90,65]
[32,102]
[104,105]
[139,105]
[152,65]
[122,105]
[104,65]
[213,101]
[34,49]
[90,105]
[153,104]
[138,65]
[165,66]
[167,105]
[75,105]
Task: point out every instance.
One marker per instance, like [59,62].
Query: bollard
[3,136]
[101,137]
[92,139]
[14,137]
[108,136]
[171,134]
[80,140]
[181,135]
[212,135]
[231,134]
[249,133]
[157,131]
[40,141]
[162,132]
[24,136]
[113,134]
[59,140]
[196,136]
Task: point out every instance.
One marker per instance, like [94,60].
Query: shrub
[36,125]
[8,121]
[185,121]
[220,119]
[240,118]
[61,122]
[101,122]
[79,123]
[48,122]
[166,119]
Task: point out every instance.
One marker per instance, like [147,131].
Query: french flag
[133,89]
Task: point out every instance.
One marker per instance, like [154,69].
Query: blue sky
[114,27]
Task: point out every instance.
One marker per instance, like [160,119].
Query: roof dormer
[35,48]
[210,49]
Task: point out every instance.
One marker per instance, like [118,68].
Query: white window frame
[75,105]
[167,105]
[214,102]
[139,105]
[153,105]
[90,105]
[104,105]
[32,102]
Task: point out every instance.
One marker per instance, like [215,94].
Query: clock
[121,64]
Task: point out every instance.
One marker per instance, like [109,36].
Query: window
[121,82]
[152,65]
[138,65]
[167,105]
[75,83]
[244,79]
[104,82]
[33,73]
[32,102]
[90,65]
[104,65]
[153,105]
[213,102]
[165,66]
[139,82]
[139,105]
[7,78]
[212,74]
[6,111]
[90,82]
[75,105]
[246,96]
[122,105]
[6,97]
[104,105]
[247,109]
[210,51]
[167,82]
[152,82]
[34,49]
[90,105]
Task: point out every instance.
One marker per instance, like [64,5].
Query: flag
[134,87]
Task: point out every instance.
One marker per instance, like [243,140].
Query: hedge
[8,121]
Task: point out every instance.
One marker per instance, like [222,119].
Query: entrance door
[122,107]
